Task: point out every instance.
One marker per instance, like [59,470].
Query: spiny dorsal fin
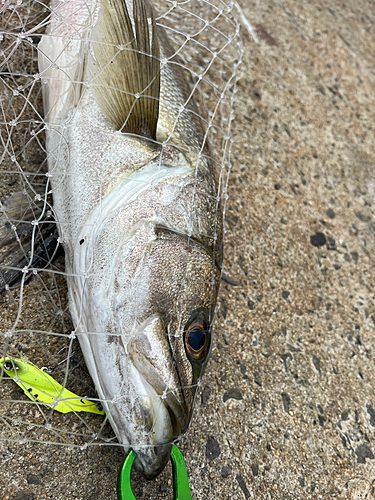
[119,75]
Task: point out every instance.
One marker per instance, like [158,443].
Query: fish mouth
[153,366]
[176,409]
[167,425]
[145,465]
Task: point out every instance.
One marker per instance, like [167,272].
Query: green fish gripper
[181,489]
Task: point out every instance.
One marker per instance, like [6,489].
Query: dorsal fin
[125,67]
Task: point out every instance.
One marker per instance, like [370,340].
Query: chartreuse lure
[40,387]
[181,489]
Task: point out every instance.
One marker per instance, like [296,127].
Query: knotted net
[34,318]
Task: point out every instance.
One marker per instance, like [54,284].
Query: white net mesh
[35,321]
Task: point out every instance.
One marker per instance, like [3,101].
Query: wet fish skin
[140,221]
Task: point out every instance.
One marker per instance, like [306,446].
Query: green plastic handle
[181,489]
[124,490]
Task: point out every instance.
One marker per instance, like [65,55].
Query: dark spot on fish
[318,240]
[301,481]
[242,485]
[233,393]
[363,451]
[113,339]
[331,213]
[285,295]
[212,448]
[35,39]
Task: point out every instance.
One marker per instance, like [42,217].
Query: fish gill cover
[204,50]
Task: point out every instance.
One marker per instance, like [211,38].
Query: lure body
[138,214]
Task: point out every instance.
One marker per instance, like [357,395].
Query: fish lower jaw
[161,431]
[152,446]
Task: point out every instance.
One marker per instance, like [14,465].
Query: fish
[138,209]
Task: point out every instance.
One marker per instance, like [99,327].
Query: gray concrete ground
[287,406]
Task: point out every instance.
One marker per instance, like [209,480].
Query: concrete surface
[287,407]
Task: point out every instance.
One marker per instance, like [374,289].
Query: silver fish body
[140,221]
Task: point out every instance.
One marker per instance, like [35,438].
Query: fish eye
[198,338]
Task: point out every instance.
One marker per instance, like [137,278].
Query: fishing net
[36,326]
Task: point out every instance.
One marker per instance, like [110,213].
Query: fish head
[152,291]
[172,344]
